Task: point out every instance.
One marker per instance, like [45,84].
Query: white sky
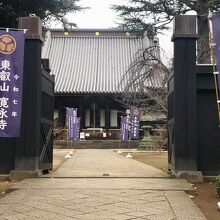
[101,16]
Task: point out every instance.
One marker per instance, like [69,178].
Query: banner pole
[13,29]
[119,146]
[68,122]
[129,140]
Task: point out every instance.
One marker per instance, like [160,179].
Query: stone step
[94,144]
[105,183]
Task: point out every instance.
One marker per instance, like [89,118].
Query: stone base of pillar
[190,176]
[4,177]
[24,174]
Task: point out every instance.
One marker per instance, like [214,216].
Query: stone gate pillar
[182,107]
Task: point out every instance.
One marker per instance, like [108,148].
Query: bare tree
[145,82]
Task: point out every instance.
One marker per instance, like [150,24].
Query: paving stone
[179,196]
[164,216]
[22,209]
[123,217]
[138,214]
[192,218]
[104,183]
[160,206]
[104,161]
[92,217]
[188,212]
[3,208]
[120,198]
[8,212]
[17,216]
[12,199]
[98,207]
[117,210]
[44,215]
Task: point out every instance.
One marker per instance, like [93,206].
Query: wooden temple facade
[88,66]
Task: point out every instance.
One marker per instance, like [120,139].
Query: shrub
[217,184]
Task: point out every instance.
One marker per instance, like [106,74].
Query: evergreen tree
[154,15]
[47,10]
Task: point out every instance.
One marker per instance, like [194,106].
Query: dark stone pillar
[28,145]
[182,105]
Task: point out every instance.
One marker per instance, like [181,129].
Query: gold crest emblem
[7,44]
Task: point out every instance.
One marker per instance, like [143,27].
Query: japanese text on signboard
[73,124]
[11,82]
[135,123]
[124,128]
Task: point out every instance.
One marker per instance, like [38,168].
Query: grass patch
[154,159]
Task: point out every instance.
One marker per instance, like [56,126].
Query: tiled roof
[83,62]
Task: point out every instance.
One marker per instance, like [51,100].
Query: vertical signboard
[135,123]
[11,82]
[73,125]
[77,134]
[74,112]
[69,119]
[124,128]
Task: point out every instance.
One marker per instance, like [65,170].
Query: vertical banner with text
[77,135]
[11,82]
[69,118]
[135,123]
[124,128]
[73,125]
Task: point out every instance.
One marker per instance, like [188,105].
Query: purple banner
[69,118]
[73,124]
[124,128]
[216,35]
[11,82]
[135,123]
[77,131]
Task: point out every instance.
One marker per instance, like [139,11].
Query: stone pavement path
[121,195]
[99,163]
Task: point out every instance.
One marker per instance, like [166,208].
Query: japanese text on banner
[11,82]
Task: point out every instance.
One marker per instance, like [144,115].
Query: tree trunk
[203,46]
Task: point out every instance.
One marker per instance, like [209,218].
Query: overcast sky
[101,16]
